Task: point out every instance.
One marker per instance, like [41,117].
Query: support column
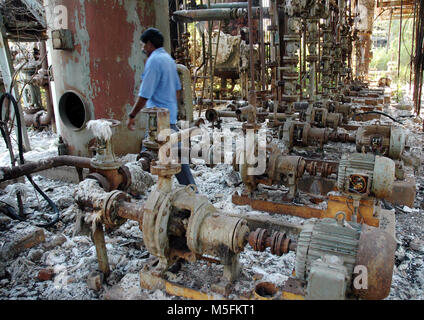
[363,47]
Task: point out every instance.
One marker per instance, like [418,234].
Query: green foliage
[398,94]
[380,59]
[384,57]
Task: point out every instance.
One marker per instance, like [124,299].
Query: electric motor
[297,133]
[332,253]
[386,141]
[322,118]
[365,175]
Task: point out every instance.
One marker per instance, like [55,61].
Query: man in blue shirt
[160,87]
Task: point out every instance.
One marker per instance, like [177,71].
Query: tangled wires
[3,128]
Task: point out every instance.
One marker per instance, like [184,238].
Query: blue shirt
[160,83]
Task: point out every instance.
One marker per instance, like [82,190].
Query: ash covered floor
[66,260]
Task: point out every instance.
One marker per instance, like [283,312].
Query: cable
[22,160]
[376,112]
[9,211]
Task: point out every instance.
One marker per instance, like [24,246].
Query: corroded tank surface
[100,76]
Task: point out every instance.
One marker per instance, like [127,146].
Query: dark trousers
[184,177]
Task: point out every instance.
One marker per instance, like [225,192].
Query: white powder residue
[101,128]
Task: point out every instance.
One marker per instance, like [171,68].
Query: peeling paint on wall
[106,64]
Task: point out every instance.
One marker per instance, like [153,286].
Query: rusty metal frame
[335,204]
[293,289]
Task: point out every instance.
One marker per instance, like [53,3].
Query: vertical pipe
[99,241]
[304,58]
[390,27]
[412,46]
[274,56]
[262,43]
[318,80]
[418,44]
[217,46]
[178,24]
[252,93]
[49,106]
[302,54]
[194,58]
[210,29]
[400,38]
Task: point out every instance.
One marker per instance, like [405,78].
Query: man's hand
[131,124]
[139,104]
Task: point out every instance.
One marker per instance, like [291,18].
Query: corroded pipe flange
[110,215]
[165,170]
[126,177]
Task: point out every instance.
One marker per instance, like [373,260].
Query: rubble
[45,274]
[95,281]
[127,289]
[75,258]
[35,255]
[22,241]
[55,241]
[417,245]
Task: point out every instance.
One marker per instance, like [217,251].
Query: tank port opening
[72,110]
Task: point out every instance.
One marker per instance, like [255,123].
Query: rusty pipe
[252,92]
[46,117]
[9,173]
[135,211]
[216,14]
[274,116]
[209,14]
[267,115]
[227,5]
[42,118]
[241,103]
[249,111]
[213,115]
[131,211]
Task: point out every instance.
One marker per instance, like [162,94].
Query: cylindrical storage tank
[98,75]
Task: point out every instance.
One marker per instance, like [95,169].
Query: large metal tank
[98,75]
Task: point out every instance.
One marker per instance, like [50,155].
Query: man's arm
[148,86]
[139,104]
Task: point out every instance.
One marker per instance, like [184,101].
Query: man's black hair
[154,36]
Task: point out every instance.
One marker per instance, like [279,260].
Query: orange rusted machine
[362,181]
[181,225]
